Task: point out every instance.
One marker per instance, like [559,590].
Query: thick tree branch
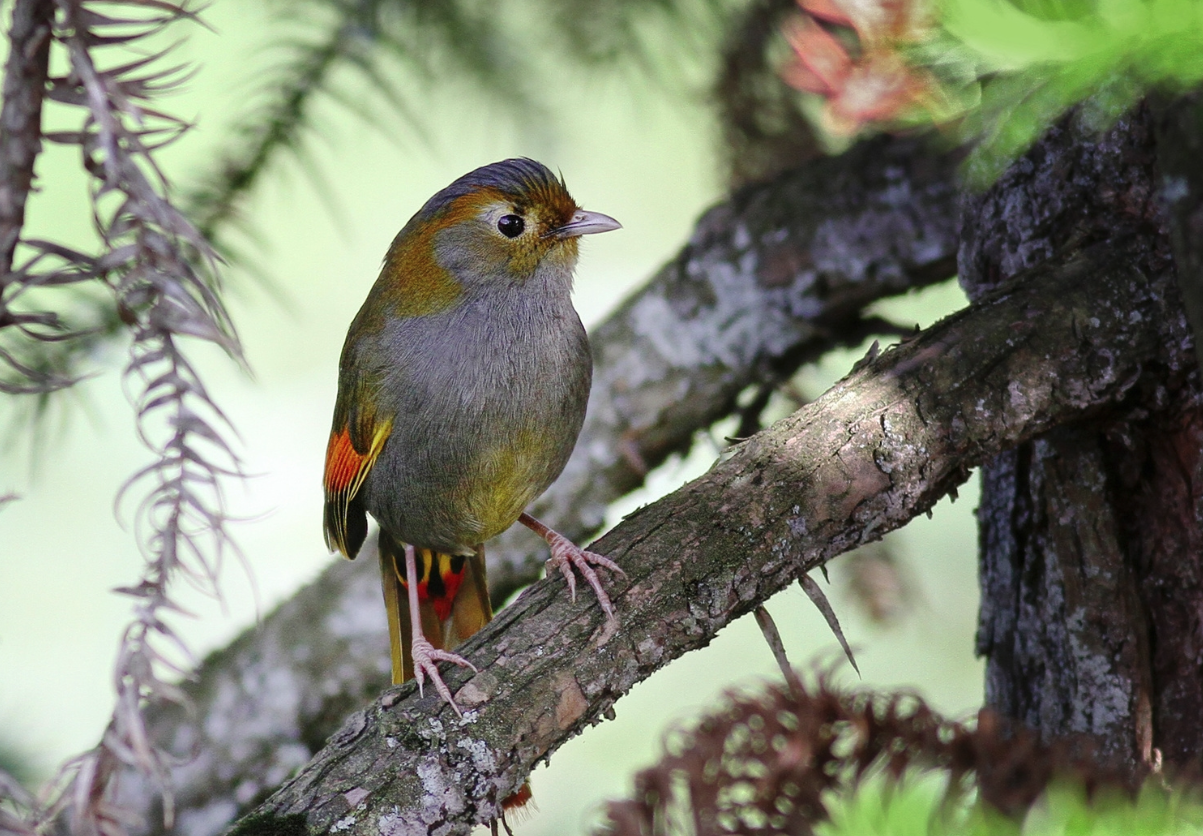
[769,278]
[1065,341]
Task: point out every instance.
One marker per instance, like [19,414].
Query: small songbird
[461,392]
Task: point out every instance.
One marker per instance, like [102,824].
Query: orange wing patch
[346,468]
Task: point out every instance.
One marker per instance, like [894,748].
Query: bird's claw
[567,556]
[424,657]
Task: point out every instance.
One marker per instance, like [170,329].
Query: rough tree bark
[1068,340]
[775,275]
[1091,535]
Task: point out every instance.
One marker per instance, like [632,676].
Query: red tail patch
[439,579]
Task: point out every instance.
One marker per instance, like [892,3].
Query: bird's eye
[511,226]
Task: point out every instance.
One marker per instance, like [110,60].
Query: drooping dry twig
[772,636]
[815,593]
[25,75]
[1068,339]
[161,273]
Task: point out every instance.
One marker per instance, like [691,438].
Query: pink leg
[566,556]
[424,653]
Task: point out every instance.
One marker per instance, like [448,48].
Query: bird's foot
[567,557]
[425,655]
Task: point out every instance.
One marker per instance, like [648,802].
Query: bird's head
[493,228]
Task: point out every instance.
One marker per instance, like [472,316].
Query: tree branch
[768,279]
[1066,340]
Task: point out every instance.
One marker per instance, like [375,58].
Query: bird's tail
[453,600]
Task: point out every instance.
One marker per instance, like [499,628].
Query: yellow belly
[506,480]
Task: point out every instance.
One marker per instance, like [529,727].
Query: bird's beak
[586,223]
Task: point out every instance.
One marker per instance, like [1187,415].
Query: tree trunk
[1091,535]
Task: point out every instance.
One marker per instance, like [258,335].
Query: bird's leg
[566,556]
[424,653]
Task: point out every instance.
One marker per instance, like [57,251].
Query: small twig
[819,598]
[768,629]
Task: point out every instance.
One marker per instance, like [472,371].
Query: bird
[462,388]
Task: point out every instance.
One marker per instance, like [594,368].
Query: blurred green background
[639,149]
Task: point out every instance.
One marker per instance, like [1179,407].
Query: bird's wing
[347,465]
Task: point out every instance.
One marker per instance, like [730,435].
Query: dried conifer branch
[162,274]
[25,75]
[21,121]
[17,808]
[1068,339]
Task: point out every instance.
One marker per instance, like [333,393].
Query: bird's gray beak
[587,223]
